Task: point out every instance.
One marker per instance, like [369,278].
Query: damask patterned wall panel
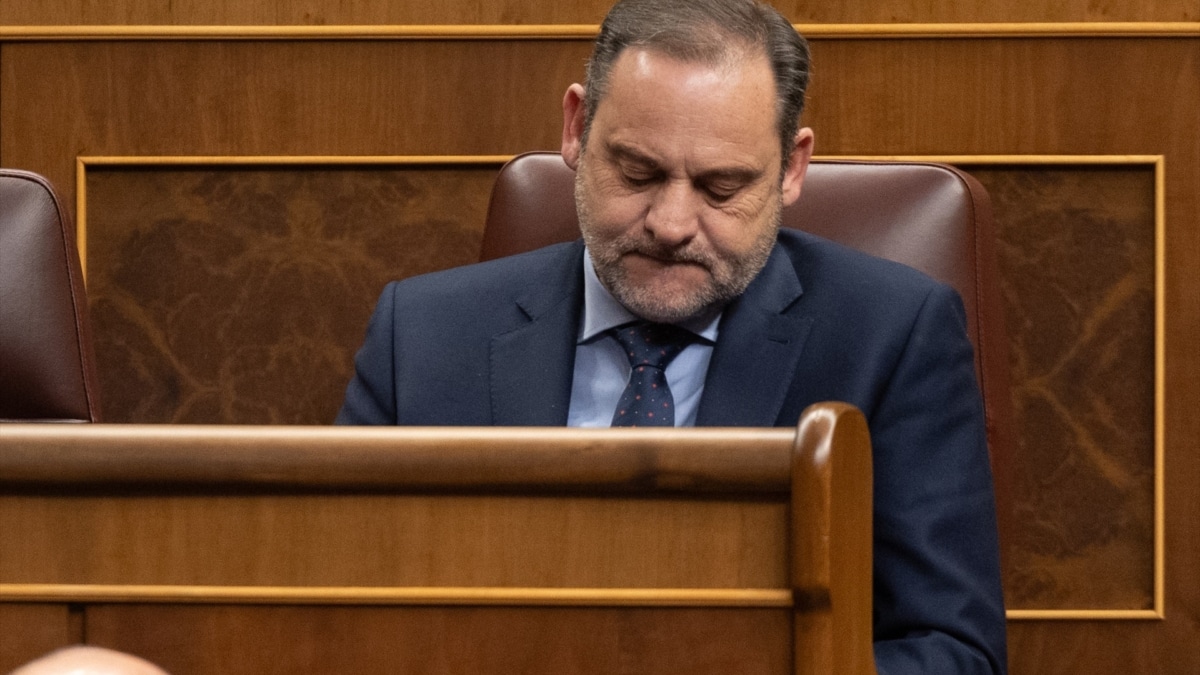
[238,295]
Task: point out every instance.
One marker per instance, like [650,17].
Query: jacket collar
[759,344]
[760,341]
[532,365]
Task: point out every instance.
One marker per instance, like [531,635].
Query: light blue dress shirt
[602,369]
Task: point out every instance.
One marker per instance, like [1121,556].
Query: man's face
[679,190]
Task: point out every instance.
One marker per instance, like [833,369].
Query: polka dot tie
[647,400]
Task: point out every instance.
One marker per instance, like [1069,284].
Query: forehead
[665,104]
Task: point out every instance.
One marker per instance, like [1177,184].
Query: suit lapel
[532,365]
[757,350]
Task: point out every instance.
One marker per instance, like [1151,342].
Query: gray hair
[709,32]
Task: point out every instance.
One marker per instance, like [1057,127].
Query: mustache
[670,254]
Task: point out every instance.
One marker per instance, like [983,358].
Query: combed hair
[709,32]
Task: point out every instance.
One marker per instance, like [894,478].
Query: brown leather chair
[47,366]
[929,216]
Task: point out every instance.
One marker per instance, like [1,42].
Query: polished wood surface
[30,630]
[427,458]
[839,641]
[313,12]
[386,640]
[301,536]
[306,540]
[506,538]
[279,98]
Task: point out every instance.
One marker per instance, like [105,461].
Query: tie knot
[652,344]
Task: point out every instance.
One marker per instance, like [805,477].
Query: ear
[802,151]
[572,133]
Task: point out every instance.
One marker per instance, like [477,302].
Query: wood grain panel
[305,541]
[237,640]
[28,631]
[1154,647]
[1005,96]
[470,98]
[332,459]
[315,12]
[280,98]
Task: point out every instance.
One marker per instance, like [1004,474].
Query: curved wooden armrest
[831,542]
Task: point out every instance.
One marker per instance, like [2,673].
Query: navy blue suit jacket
[494,344]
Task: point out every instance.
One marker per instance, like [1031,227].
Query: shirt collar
[601,311]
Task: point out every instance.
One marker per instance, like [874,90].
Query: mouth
[654,268]
[665,258]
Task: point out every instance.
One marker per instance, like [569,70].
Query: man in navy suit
[686,145]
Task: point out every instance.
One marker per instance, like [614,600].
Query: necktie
[647,399]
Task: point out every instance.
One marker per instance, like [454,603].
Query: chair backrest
[929,216]
[47,366]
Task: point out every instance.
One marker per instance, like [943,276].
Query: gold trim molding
[408,596]
[755,598]
[587,32]
[401,596]
[1084,615]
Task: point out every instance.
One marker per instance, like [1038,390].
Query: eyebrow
[623,152]
[737,175]
[741,175]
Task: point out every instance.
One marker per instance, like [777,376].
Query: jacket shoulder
[820,262]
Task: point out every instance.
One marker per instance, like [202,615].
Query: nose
[674,214]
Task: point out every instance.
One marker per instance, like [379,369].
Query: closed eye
[719,192]
[639,179]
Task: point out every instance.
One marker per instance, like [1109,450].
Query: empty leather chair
[47,365]
[930,216]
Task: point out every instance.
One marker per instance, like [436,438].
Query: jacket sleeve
[938,601]
[371,394]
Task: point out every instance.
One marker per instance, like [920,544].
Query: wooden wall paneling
[1051,95]
[232,98]
[275,541]
[1143,647]
[964,96]
[1071,96]
[982,11]
[29,630]
[314,12]
[237,293]
[274,99]
[551,641]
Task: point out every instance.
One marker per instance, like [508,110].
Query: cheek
[732,235]
[738,230]
[616,210]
